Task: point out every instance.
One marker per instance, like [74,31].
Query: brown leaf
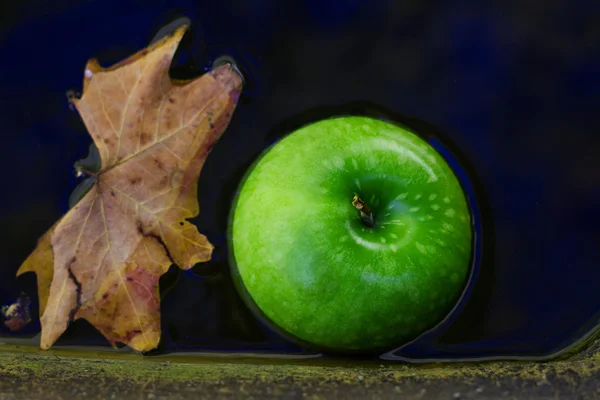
[103,259]
[41,261]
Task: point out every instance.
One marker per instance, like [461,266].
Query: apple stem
[365,214]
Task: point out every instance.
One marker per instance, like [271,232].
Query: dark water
[509,92]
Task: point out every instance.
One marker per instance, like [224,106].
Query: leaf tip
[145,341]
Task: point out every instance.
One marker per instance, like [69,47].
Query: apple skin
[304,260]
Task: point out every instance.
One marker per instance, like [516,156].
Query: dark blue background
[514,84]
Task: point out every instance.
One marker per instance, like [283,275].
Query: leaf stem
[83,171]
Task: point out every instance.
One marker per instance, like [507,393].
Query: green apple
[351,234]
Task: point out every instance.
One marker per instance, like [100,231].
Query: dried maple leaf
[103,259]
